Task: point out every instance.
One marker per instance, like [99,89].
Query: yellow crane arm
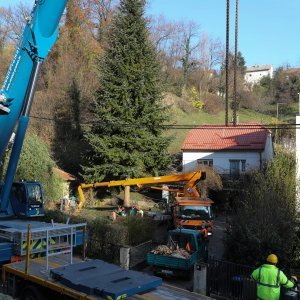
[191,178]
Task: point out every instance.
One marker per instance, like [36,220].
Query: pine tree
[126,138]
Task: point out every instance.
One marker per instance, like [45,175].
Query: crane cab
[27,199]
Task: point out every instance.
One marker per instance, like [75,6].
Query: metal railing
[138,254]
[228,280]
[48,239]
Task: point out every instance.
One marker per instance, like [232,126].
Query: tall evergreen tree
[126,138]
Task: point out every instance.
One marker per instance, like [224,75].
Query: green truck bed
[171,261]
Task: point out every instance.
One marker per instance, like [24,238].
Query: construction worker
[122,212]
[132,211]
[269,280]
[203,242]
[140,212]
[188,247]
[203,230]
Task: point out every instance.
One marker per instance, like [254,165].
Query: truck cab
[27,199]
[192,212]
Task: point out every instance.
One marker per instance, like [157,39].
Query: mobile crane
[189,210]
[20,235]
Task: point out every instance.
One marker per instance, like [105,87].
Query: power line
[281,126]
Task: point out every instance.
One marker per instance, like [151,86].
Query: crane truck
[37,257]
[188,211]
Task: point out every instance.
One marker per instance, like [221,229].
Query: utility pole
[277,121]
[227,61]
[299,103]
[298,160]
[235,63]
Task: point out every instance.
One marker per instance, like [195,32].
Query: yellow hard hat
[272,258]
[294,278]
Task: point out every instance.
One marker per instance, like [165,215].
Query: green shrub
[139,229]
[36,164]
[106,238]
[266,220]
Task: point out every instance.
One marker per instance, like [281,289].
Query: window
[189,212]
[243,167]
[205,162]
[34,193]
[236,167]
[19,192]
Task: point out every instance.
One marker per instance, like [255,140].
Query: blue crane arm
[17,92]
[39,35]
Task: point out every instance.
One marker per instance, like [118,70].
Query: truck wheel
[32,292]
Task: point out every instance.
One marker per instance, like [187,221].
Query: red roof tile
[64,175]
[245,136]
[294,71]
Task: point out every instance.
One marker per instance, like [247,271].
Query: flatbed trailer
[42,283]
[42,263]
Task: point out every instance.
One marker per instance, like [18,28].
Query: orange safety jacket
[204,232]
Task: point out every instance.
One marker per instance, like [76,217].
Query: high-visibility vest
[269,279]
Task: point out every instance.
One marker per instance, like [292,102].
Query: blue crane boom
[16,97]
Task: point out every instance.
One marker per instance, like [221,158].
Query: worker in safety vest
[269,280]
[203,240]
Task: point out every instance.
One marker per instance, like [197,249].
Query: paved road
[216,243]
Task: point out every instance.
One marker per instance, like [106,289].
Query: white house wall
[255,76]
[268,153]
[221,160]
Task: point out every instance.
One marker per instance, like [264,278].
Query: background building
[255,73]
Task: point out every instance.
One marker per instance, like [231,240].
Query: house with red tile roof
[229,150]
[69,181]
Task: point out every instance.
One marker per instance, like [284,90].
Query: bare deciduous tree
[189,42]
[12,22]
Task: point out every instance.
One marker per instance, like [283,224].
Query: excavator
[188,211]
[29,248]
